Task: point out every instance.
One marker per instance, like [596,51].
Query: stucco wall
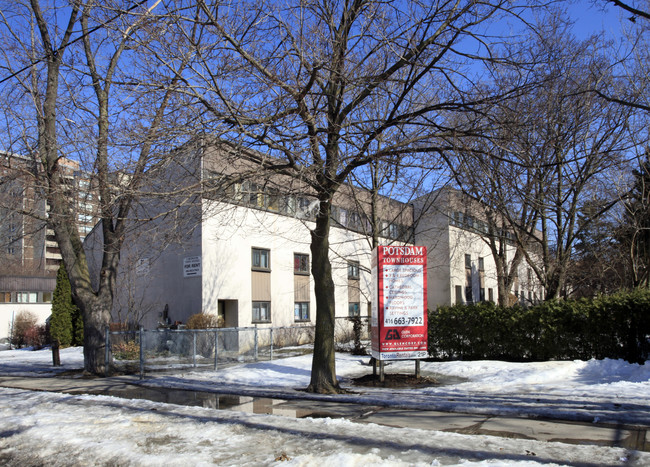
[229,234]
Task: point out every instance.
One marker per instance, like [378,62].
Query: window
[481,264]
[459,294]
[491,294]
[47,297]
[261,312]
[343,217]
[301,311]
[356,222]
[300,263]
[354,309]
[353,269]
[307,208]
[5,297]
[393,231]
[86,206]
[27,297]
[469,294]
[261,259]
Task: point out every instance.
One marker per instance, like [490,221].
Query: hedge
[614,326]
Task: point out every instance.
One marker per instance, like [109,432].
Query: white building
[461,266]
[240,248]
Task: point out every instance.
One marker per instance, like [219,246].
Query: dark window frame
[353,270]
[298,312]
[257,265]
[258,318]
[301,264]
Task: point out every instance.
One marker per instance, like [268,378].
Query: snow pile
[58,429]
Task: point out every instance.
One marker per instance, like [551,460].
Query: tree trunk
[95,321]
[323,370]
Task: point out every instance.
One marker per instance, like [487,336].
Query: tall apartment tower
[29,254]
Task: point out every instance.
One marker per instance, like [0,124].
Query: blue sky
[592,18]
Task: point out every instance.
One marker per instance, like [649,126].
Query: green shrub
[66,325]
[615,326]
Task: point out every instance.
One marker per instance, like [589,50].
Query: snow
[41,427]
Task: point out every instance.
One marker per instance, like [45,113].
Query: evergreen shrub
[614,326]
[66,325]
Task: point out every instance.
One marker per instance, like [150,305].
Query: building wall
[432,231]
[454,277]
[230,234]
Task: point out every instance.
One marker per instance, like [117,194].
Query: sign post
[399,307]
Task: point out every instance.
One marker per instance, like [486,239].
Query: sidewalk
[626,436]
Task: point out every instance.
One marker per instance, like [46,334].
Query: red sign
[399,308]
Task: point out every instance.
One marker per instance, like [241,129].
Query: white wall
[447,246]
[230,232]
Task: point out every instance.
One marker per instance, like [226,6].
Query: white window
[27,297]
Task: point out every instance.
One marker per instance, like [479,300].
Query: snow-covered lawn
[57,429]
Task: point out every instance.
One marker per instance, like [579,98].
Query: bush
[26,333]
[204,341]
[203,321]
[126,350]
[66,325]
[615,326]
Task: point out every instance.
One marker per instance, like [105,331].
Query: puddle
[296,408]
[246,404]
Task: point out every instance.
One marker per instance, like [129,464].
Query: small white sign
[142,267]
[192,266]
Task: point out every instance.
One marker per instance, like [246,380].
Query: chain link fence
[146,350]
[154,350]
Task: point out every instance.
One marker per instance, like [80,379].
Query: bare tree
[296,80]
[547,152]
[70,79]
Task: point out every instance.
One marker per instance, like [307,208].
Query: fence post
[271,344]
[141,352]
[194,348]
[256,342]
[216,348]
[107,342]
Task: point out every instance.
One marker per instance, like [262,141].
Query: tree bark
[323,370]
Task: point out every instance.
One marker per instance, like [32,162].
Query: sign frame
[192,266]
[399,328]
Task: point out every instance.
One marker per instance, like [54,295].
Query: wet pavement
[571,432]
